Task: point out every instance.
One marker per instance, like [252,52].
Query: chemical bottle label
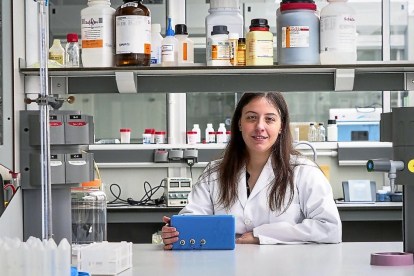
[241,57]
[155,55]
[295,37]
[220,50]
[133,34]
[233,53]
[57,58]
[185,51]
[168,52]
[338,33]
[260,49]
[93,32]
[135,5]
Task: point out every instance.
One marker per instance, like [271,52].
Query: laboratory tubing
[146,137]
[234,43]
[125,135]
[185,45]
[169,48]
[160,137]
[72,50]
[241,52]
[228,135]
[191,137]
[298,33]
[218,47]
[97,33]
[208,130]
[196,128]
[259,43]
[332,130]
[156,42]
[133,34]
[312,133]
[212,137]
[338,33]
[57,53]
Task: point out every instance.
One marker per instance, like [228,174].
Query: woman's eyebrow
[251,112]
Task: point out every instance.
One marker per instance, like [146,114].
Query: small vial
[312,133]
[321,133]
[160,137]
[212,137]
[241,52]
[191,137]
[125,135]
[72,50]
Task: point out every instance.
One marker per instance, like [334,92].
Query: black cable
[146,200]
[117,197]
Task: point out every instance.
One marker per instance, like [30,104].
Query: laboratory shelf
[375,76]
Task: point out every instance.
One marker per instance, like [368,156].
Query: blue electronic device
[204,232]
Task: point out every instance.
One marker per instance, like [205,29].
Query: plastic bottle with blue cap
[169,49]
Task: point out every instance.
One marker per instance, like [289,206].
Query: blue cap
[170,31]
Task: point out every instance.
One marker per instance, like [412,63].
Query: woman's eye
[251,117]
[271,119]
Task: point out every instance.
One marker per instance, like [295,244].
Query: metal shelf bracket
[344,79]
[126,82]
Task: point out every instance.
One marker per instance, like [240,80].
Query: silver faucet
[315,155]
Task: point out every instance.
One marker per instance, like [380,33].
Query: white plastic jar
[160,137]
[125,135]
[338,33]
[332,130]
[218,47]
[228,135]
[191,137]
[221,137]
[212,137]
[97,28]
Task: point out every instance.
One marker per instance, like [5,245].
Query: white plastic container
[228,136]
[156,43]
[221,133]
[57,53]
[125,135]
[106,258]
[160,137]
[259,43]
[227,13]
[296,135]
[169,49]
[146,137]
[338,33]
[208,130]
[212,137]
[196,128]
[218,47]
[332,130]
[191,137]
[185,45]
[97,28]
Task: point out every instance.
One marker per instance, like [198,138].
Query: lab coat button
[246,221]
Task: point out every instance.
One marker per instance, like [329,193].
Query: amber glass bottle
[133,34]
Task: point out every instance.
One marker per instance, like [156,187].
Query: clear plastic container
[321,133]
[88,215]
[57,53]
[125,135]
[169,48]
[72,50]
[312,133]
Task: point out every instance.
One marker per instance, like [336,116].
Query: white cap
[233,36]
[155,28]
[221,124]
[196,125]
[215,4]
[210,125]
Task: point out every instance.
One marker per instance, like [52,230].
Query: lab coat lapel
[242,192]
[265,177]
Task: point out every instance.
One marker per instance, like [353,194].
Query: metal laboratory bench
[342,259]
[360,222]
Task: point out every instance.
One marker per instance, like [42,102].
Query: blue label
[154,61]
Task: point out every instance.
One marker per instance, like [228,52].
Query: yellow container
[259,44]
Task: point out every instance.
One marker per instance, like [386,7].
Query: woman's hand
[169,234]
[248,238]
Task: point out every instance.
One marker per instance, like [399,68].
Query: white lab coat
[311,217]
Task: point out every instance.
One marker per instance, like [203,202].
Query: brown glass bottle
[133,34]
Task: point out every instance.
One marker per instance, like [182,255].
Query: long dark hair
[236,157]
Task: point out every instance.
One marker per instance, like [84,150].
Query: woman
[276,195]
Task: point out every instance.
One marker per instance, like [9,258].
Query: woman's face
[260,125]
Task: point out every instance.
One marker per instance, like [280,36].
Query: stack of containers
[298,33]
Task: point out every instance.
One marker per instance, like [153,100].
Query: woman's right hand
[169,234]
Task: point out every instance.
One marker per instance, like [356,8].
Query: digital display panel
[76,156]
[174,185]
[185,184]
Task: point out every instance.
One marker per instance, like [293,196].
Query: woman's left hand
[248,238]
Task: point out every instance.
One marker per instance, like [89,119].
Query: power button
[411,165]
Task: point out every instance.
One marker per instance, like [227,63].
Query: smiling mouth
[259,137]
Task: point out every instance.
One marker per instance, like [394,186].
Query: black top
[247,184]
[181,29]
[219,29]
[259,23]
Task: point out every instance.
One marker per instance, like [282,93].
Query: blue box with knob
[204,232]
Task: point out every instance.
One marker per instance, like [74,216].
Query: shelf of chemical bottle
[316,145]
[375,76]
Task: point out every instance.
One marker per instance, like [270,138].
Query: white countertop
[345,259]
